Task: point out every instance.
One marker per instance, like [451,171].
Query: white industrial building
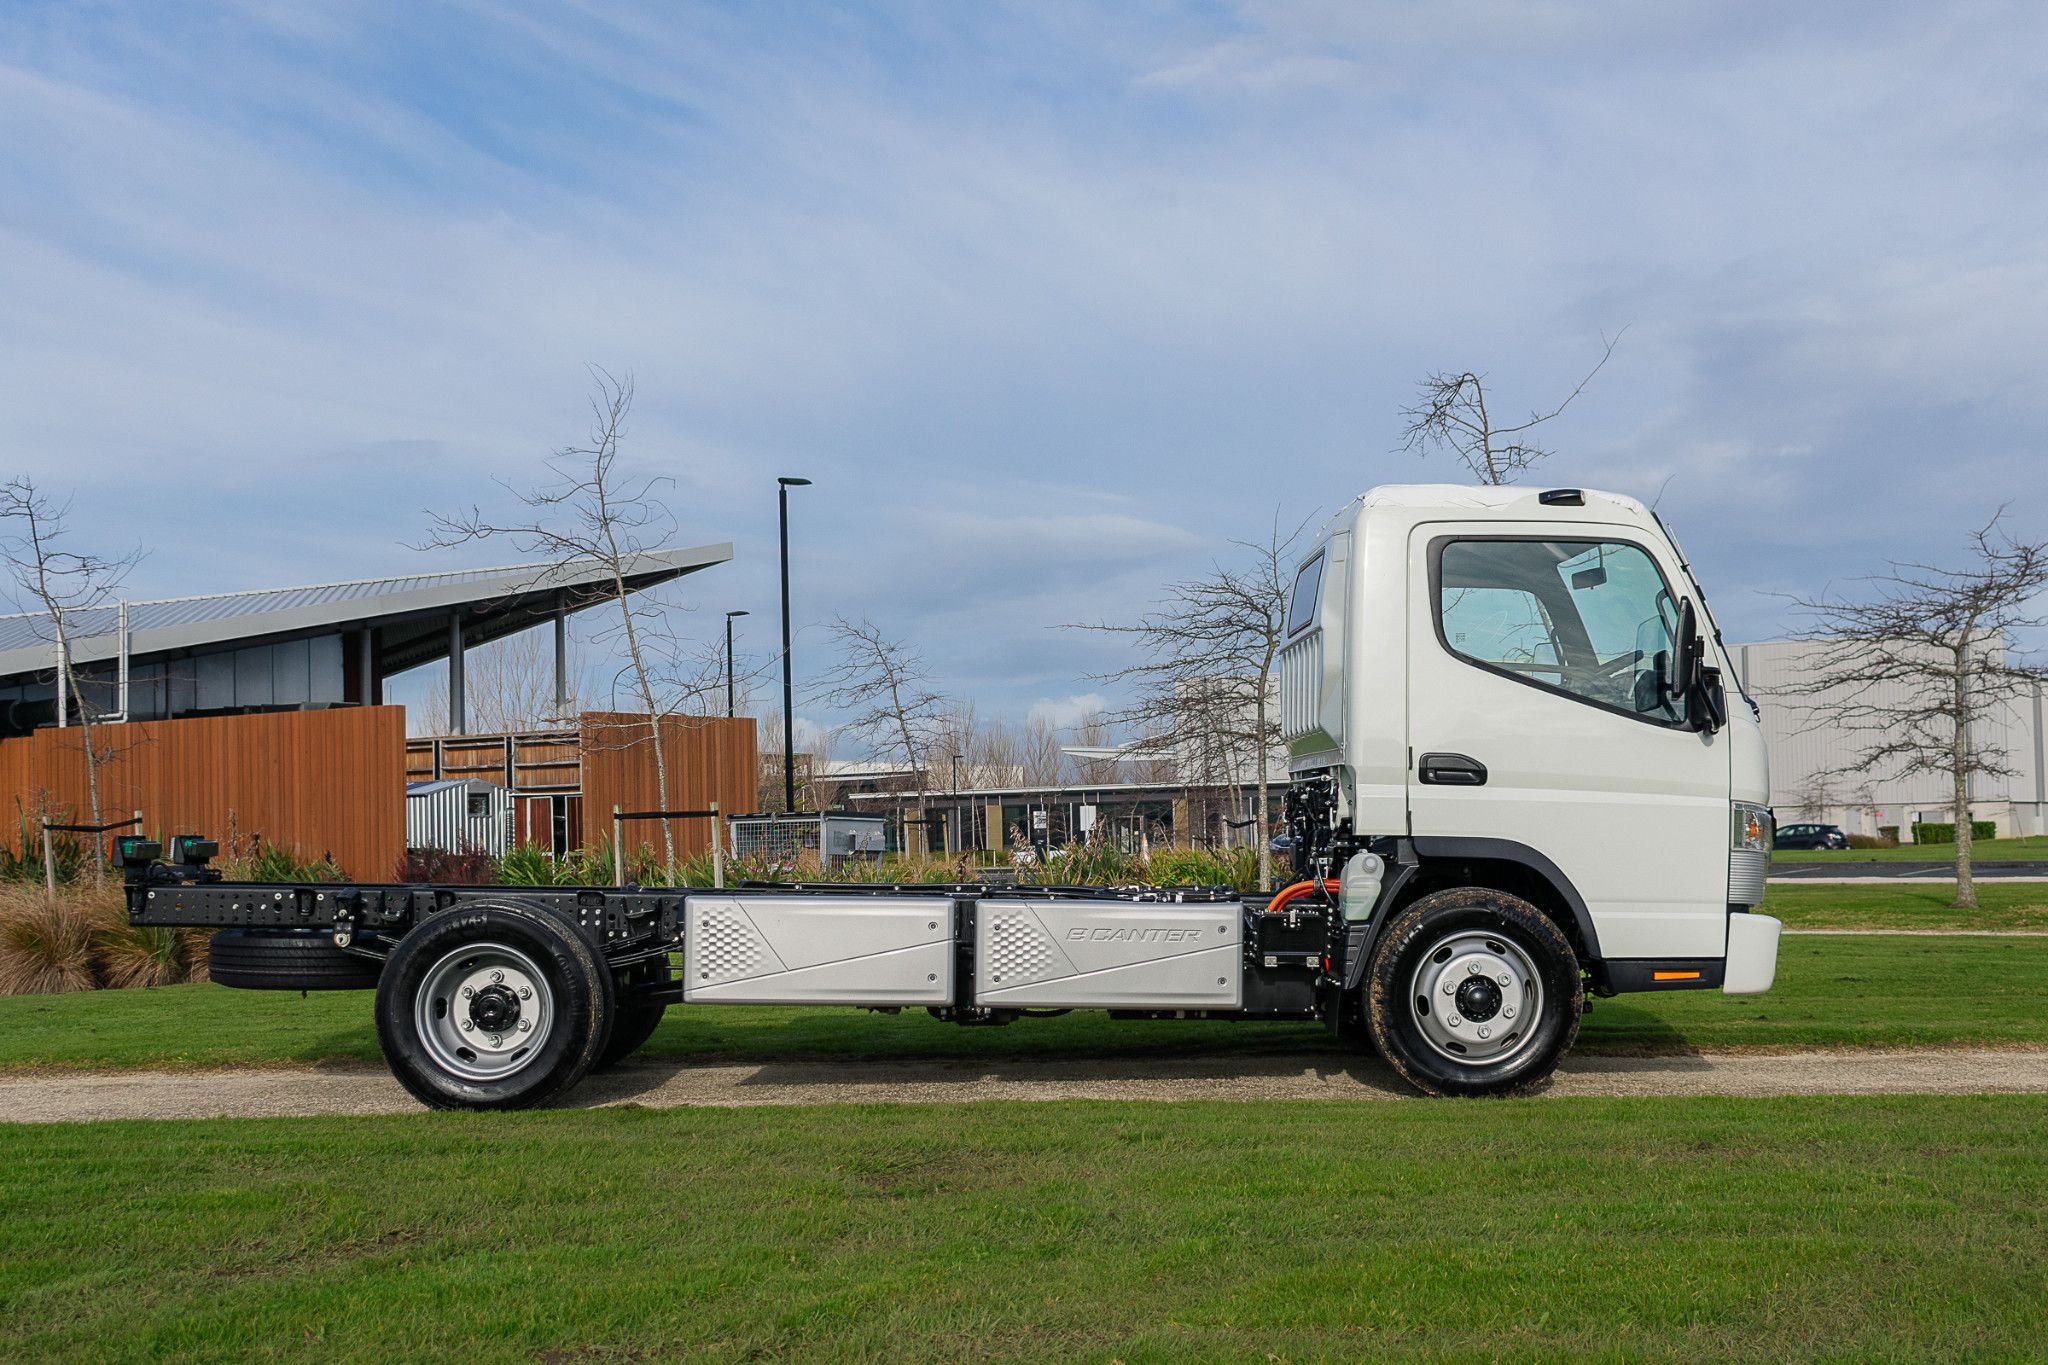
[1810,758]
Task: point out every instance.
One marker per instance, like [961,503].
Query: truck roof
[1513,503]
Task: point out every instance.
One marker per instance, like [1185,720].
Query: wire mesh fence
[828,839]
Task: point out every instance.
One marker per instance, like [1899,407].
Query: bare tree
[1205,679]
[590,512]
[1918,669]
[508,686]
[65,587]
[1826,788]
[1451,413]
[1094,730]
[815,789]
[883,686]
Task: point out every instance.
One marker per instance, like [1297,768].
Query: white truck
[1515,782]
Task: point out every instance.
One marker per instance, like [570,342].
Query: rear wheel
[499,1007]
[633,1021]
[1472,991]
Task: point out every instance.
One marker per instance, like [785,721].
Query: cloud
[1051,302]
[1064,713]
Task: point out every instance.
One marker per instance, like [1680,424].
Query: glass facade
[289,674]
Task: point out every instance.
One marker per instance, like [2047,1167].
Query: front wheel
[1473,991]
[499,1007]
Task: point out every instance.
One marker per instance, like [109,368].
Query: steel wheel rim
[1476,997]
[461,1000]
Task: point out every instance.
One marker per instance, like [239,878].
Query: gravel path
[292,1093]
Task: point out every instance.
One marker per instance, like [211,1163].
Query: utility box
[1108,954]
[818,950]
[831,837]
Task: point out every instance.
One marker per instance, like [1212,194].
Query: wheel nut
[1506,980]
[1450,987]
[467,1026]
[498,977]
[468,991]
[1508,1013]
[525,1025]
[1485,1032]
[526,992]
[1453,1021]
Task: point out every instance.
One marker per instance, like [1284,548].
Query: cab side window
[1301,611]
[1591,619]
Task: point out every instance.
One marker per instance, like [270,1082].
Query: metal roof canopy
[411,611]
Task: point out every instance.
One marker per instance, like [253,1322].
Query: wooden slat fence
[709,759]
[311,781]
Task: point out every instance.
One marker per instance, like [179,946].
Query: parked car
[1811,836]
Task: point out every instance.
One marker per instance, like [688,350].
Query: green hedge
[1927,832]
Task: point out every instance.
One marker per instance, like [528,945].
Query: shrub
[23,860]
[529,865]
[128,955]
[261,862]
[466,868]
[1092,862]
[1890,834]
[1871,841]
[1944,832]
[46,945]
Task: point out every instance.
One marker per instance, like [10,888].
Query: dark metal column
[782,487]
[458,719]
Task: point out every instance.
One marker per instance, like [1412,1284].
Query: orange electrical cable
[1289,894]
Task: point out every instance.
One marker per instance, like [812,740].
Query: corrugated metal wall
[1805,745]
[459,816]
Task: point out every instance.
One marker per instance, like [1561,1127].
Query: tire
[495,1007]
[633,1022]
[287,960]
[1442,959]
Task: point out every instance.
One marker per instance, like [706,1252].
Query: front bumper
[1752,954]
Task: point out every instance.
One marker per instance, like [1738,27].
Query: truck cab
[1517,699]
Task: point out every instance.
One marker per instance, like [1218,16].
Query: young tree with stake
[884,686]
[61,585]
[1915,668]
[592,512]
[1205,681]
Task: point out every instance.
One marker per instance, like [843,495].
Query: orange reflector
[1674,976]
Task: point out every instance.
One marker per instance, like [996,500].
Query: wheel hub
[494,1009]
[1477,997]
[484,1011]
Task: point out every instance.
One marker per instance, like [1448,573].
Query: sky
[1052,300]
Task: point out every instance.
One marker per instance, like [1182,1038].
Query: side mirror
[1706,702]
[1712,699]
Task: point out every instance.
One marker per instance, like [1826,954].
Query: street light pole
[958,812]
[782,487]
[728,662]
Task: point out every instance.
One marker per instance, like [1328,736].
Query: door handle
[1450,770]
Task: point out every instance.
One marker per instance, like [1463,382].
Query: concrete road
[64,1097]
[1850,868]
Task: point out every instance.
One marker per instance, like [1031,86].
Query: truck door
[1540,713]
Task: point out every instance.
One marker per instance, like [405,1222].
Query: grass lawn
[1907,1228]
[2032,848]
[1830,992]
[2001,905]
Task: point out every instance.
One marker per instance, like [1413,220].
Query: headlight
[1750,828]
